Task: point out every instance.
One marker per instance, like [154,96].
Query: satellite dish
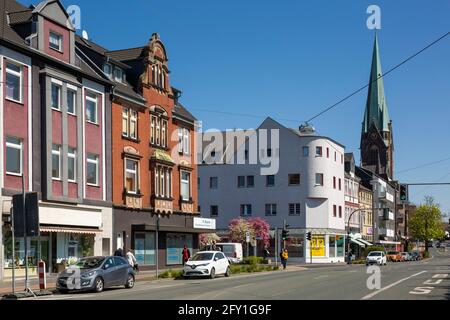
[84,34]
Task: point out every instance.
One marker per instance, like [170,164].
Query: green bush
[373,248]
[426,254]
[252,260]
[171,274]
[250,268]
[360,261]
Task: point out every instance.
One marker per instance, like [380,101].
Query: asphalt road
[428,279]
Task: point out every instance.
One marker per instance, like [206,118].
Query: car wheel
[99,285]
[228,272]
[130,282]
[213,273]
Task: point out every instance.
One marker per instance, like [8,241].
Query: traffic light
[308,236]
[403,192]
[284,234]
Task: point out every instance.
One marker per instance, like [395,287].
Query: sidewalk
[6,286]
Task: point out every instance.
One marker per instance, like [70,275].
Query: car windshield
[90,263]
[201,256]
[392,252]
[374,254]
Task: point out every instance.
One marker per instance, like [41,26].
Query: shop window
[144,248]
[175,244]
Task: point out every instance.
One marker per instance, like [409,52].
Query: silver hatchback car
[96,273]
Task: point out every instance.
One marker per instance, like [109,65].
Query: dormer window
[55,41]
[118,74]
[107,69]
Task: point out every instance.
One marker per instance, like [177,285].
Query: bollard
[42,276]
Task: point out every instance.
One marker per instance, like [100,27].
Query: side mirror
[215,259]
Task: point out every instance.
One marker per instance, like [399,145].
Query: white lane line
[373,294]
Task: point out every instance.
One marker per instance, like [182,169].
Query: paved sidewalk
[6,286]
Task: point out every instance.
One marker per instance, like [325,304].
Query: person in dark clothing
[118,252]
[186,254]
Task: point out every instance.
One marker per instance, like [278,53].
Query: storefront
[136,230]
[67,233]
[326,245]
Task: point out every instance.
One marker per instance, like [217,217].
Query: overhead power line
[424,165]
[379,77]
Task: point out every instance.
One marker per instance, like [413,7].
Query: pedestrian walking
[266,253]
[118,252]
[349,257]
[284,258]
[132,260]
[186,254]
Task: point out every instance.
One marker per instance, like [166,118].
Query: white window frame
[74,101]
[295,207]
[96,162]
[57,153]
[95,100]
[135,172]
[188,181]
[16,74]
[180,140]
[152,129]
[158,131]
[126,117]
[118,71]
[133,119]
[305,151]
[186,141]
[59,39]
[16,147]
[164,130]
[74,157]
[56,85]
[245,212]
[272,209]
[105,66]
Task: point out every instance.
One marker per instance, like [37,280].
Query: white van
[233,251]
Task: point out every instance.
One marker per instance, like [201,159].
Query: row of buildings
[113,155]
[317,188]
[100,135]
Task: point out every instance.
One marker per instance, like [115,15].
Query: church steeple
[377,142]
[376,107]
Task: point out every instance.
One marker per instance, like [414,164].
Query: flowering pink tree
[238,229]
[261,229]
[208,238]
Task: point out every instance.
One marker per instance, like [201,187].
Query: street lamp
[157,244]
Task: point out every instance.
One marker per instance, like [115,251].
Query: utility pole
[157,246]
[27,283]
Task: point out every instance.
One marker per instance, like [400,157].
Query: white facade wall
[316,202]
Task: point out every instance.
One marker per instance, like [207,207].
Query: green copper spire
[376,107]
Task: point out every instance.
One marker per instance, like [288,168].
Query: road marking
[322,276]
[373,294]
[421,290]
[440,276]
[430,281]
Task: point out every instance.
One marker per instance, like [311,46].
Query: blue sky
[290,59]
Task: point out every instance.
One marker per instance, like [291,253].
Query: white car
[207,263]
[376,257]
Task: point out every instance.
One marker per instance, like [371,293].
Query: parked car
[96,273]
[233,251]
[415,256]
[405,256]
[376,257]
[394,256]
[207,263]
